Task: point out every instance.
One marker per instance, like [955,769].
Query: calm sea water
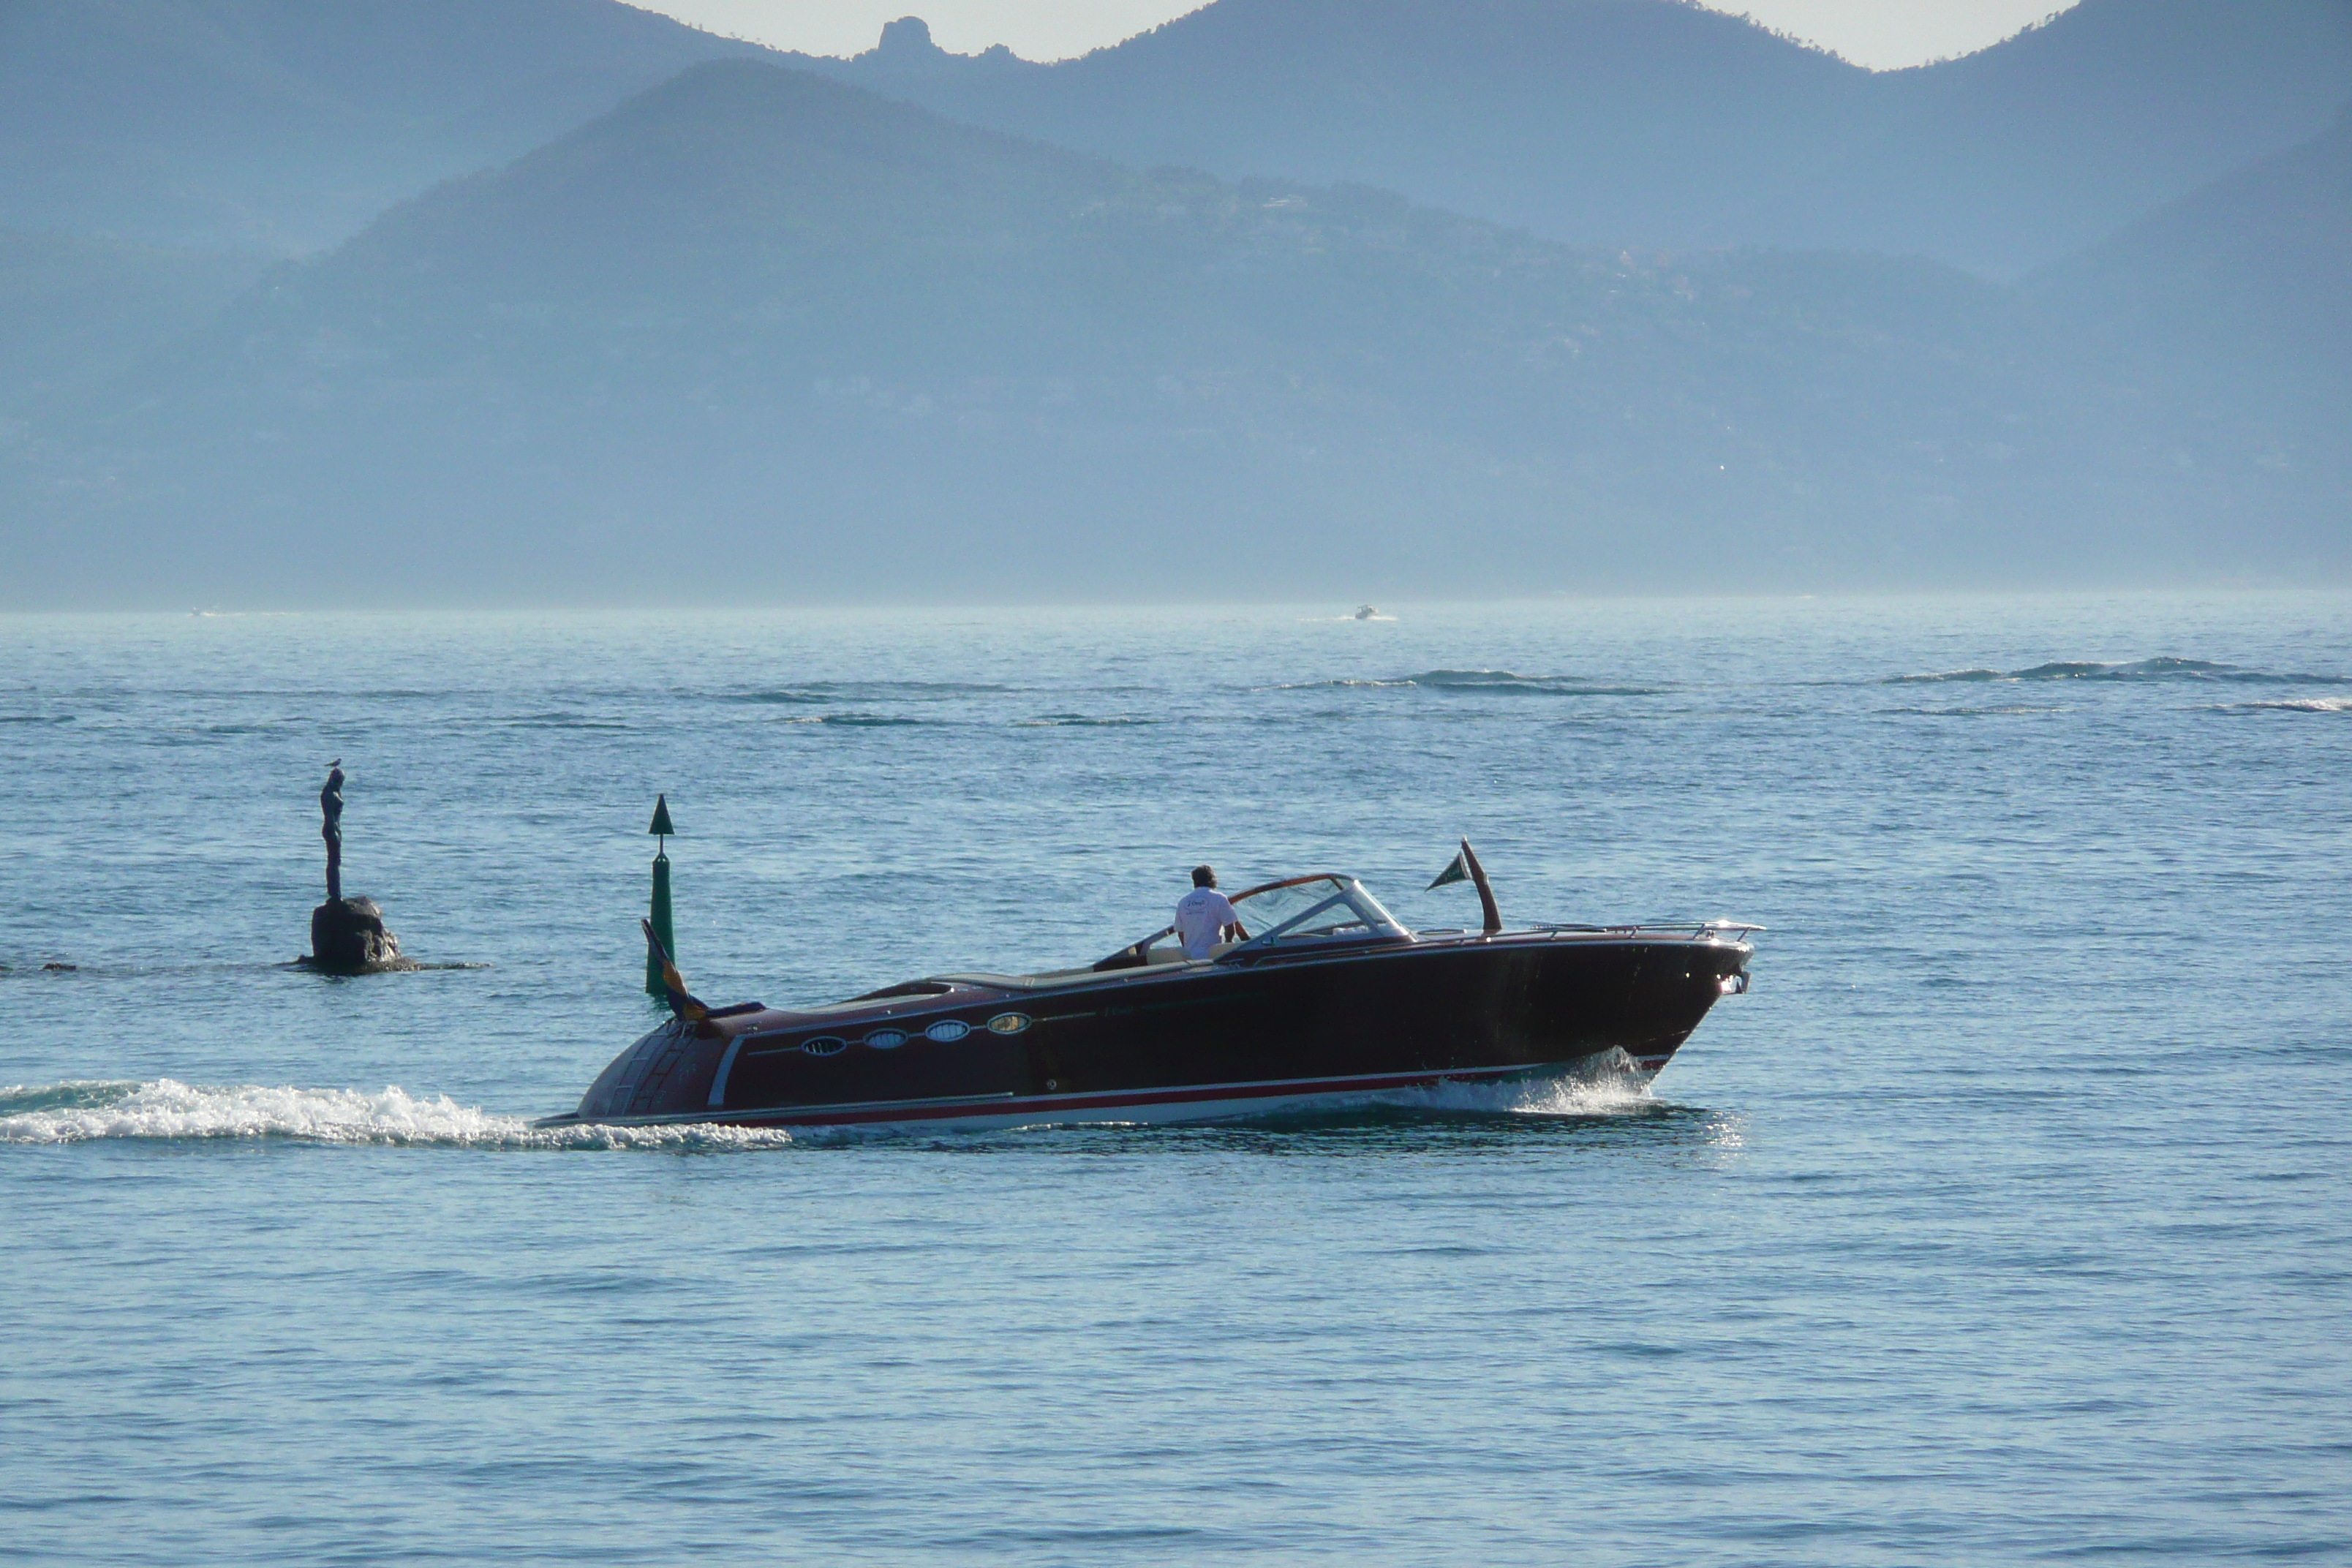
[2006,1220]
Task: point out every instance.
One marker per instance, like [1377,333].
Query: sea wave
[2161,668]
[783,696]
[816,693]
[167,1110]
[563,720]
[1503,681]
[2293,705]
[2005,711]
[1083,722]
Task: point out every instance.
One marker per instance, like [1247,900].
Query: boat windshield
[1313,907]
[1289,911]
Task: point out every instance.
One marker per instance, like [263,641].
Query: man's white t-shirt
[1200,914]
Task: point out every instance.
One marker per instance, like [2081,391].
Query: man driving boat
[1204,916]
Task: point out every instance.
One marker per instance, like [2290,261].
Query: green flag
[1458,871]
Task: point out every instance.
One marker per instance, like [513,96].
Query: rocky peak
[906,41]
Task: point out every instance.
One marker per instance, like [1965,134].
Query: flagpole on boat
[659,918]
[1493,917]
[1465,867]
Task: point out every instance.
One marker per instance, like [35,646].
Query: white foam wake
[1579,1095]
[1609,1095]
[167,1108]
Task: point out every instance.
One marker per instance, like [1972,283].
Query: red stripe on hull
[1205,1094]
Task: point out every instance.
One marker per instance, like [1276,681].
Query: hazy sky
[1882,34]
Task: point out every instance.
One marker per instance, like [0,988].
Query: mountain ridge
[1655,123]
[2240,284]
[285,126]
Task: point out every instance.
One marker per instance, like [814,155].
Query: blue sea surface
[2006,1220]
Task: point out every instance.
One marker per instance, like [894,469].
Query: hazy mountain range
[286,125]
[1637,122]
[283,126]
[2243,287]
[753,333]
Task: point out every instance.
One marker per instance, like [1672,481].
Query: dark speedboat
[1331,999]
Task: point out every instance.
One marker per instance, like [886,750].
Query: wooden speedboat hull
[1250,1035]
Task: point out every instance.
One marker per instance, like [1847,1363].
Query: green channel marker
[660,915]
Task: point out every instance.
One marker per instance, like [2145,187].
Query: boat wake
[166,1109]
[1609,1095]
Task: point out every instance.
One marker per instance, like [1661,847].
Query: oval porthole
[948,1030]
[1008,1023]
[825,1045]
[887,1039]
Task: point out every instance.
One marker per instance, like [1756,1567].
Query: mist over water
[2004,1220]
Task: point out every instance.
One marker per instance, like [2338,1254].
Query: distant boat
[1365,612]
[1329,998]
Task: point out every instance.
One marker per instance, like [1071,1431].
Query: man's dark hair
[1202,877]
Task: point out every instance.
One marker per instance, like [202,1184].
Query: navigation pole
[348,936]
[659,915]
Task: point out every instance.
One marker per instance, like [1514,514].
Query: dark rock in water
[348,937]
[60,968]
